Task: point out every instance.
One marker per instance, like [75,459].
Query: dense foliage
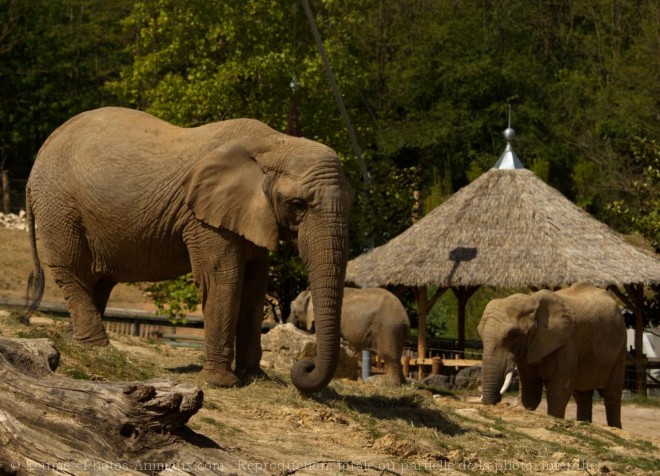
[427,83]
[55,57]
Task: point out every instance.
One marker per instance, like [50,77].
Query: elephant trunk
[323,246]
[493,372]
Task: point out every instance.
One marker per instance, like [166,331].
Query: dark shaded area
[410,408]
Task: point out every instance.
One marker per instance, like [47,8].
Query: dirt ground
[16,264]
[350,428]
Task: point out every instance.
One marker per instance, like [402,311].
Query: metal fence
[640,375]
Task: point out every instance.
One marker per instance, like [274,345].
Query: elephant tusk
[507,382]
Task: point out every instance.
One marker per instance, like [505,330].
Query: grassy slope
[268,428]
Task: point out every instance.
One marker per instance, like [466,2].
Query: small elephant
[372,319]
[572,340]
[122,196]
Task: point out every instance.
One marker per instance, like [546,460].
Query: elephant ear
[554,326]
[224,189]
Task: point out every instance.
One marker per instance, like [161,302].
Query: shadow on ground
[411,408]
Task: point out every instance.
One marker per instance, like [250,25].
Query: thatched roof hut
[506,229]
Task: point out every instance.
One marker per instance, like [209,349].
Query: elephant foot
[98,339]
[250,374]
[219,377]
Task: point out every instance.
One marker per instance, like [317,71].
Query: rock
[468,378]
[285,344]
[12,221]
[437,381]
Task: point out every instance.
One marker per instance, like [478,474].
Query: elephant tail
[36,280]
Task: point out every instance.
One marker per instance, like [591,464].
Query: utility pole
[335,90]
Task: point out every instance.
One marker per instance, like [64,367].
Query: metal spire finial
[509,159]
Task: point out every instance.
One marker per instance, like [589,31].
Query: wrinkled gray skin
[372,319]
[573,341]
[121,196]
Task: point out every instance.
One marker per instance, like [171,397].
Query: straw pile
[506,229]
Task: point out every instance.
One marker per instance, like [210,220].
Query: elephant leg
[394,371]
[82,304]
[392,359]
[558,395]
[217,262]
[531,395]
[102,292]
[584,400]
[250,318]
[71,263]
[531,388]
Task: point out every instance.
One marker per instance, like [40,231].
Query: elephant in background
[572,340]
[372,319]
[122,196]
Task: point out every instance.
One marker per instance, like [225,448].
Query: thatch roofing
[506,229]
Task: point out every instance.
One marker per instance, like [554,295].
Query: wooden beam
[434,299]
[445,362]
[622,297]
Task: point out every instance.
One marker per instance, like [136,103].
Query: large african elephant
[372,319]
[121,196]
[572,340]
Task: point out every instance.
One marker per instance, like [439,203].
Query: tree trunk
[50,424]
[6,197]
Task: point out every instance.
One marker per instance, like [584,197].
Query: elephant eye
[298,204]
[295,210]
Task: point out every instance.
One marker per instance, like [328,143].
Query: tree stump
[65,426]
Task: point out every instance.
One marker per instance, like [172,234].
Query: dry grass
[506,229]
[267,427]
[351,428]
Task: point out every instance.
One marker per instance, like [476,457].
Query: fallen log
[65,426]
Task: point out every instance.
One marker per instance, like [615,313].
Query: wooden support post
[634,300]
[421,341]
[436,365]
[463,295]
[636,294]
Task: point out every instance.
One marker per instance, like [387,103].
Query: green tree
[427,84]
[55,56]
[640,211]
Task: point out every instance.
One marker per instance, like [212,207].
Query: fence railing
[143,323]
[134,322]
